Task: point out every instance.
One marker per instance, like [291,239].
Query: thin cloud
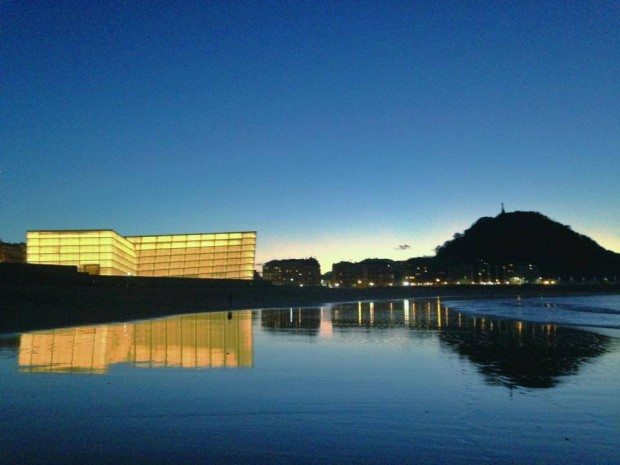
[403,247]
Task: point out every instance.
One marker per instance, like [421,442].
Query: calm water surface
[371,382]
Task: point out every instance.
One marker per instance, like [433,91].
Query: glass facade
[220,255]
[209,255]
[99,252]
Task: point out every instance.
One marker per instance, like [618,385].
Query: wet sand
[54,305]
[370,382]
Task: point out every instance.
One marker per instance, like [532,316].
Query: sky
[339,130]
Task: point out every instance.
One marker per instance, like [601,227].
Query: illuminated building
[105,252]
[378,271]
[189,341]
[521,273]
[306,272]
[346,274]
[367,273]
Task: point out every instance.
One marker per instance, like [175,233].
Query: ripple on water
[587,311]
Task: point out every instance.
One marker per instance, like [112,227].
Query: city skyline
[336,131]
[404,249]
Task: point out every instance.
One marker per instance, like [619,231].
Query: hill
[530,237]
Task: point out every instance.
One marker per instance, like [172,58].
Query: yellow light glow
[230,256]
[189,341]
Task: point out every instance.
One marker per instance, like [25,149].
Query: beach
[396,381]
[53,302]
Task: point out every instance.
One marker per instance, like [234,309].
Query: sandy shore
[28,307]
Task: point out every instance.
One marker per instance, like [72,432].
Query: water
[371,382]
[591,311]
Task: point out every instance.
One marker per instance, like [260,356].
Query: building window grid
[230,254]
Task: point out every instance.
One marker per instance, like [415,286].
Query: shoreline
[614,331]
[50,306]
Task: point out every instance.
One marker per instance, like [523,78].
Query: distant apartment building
[12,253]
[482,272]
[105,252]
[371,272]
[428,271]
[379,272]
[418,270]
[520,273]
[295,272]
[479,272]
[346,274]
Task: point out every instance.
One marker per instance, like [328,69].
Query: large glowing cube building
[228,255]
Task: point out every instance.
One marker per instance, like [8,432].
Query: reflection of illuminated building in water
[506,352]
[191,341]
[512,353]
[303,321]
[409,313]
[209,255]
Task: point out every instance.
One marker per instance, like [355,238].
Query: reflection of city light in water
[326,327]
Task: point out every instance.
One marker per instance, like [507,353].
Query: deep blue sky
[338,130]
